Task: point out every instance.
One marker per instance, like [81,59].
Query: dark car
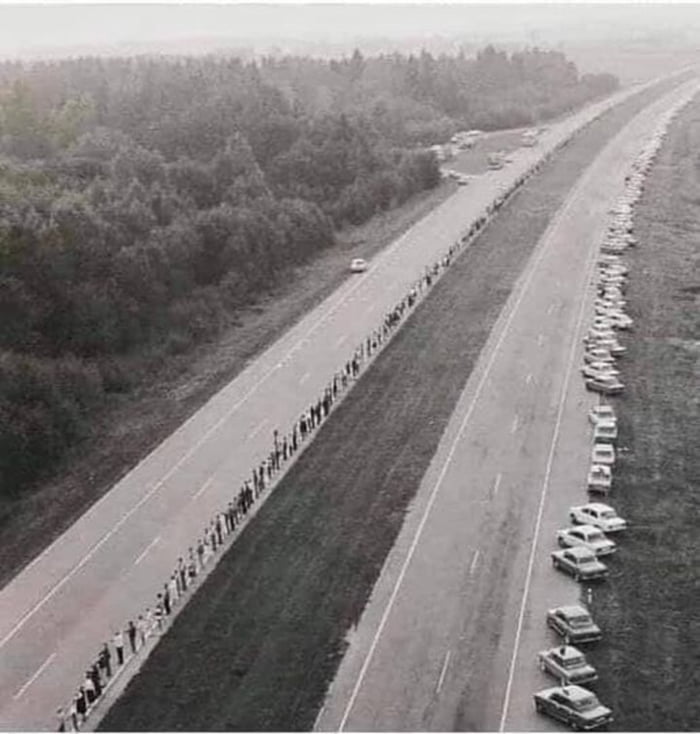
[574,624]
[573,705]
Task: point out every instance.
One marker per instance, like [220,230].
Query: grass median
[258,644]
[648,610]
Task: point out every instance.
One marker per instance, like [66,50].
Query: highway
[109,565]
[449,638]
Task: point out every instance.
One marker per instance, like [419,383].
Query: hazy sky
[27,29]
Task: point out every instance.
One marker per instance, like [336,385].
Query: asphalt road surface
[449,639]
[110,564]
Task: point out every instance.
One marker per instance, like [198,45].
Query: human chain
[128,643]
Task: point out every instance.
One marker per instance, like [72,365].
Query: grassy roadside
[259,642]
[648,610]
[130,429]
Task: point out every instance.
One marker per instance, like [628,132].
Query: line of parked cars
[595,526]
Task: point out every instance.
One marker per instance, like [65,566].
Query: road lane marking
[341,340]
[304,378]
[514,425]
[497,484]
[550,309]
[540,340]
[43,667]
[147,548]
[258,428]
[538,256]
[203,488]
[543,495]
[475,560]
[443,671]
[528,379]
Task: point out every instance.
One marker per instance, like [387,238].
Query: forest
[144,200]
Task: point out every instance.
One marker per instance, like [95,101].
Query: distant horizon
[54,29]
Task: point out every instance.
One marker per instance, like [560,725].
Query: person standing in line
[89,688]
[284,448]
[94,673]
[60,716]
[294,439]
[105,660]
[74,712]
[142,628]
[200,554]
[182,569]
[174,589]
[81,704]
[131,634]
[166,600]
[158,614]
[118,641]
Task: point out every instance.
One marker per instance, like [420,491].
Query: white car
[599,478]
[605,432]
[602,413]
[589,537]
[358,265]
[598,355]
[599,369]
[599,333]
[603,453]
[605,385]
[599,515]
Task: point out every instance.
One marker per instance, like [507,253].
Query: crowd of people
[129,642]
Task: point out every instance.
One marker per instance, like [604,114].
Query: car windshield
[586,704]
[608,515]
[580,620]
[573,662]
[595,536]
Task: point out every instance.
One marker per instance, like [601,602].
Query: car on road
[612,345]
[596,354]
[580,563]
[586,536]
[567,664]
[599,369]
[599,479]
[605,385]
[605,432]
[358,265]
[603,453]
[602,412]
[575,706]
[574,624]
[599,515]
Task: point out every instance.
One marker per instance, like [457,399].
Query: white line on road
[341,340]
[543,496]
[259,427]
[550,309]
[475,560]
[304,378]
[540,339]
[204,438]
[514,424]
[45,665]
[443,672]
[145,551]
[538,257]
[528,379]
[497,484]
[203,488]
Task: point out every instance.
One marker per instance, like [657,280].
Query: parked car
[358,265]
[580,563]
[598,355]
[599,369]
[599,515]
[567,664]
[599,478]
[574,624]
[603,453]
[586,536]
[602,413]
[605,385]
[605,432]
[573,705]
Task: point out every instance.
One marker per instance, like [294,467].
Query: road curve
[457,615]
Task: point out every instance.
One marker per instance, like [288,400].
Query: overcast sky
[50,28]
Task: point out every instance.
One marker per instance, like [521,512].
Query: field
[258,644]
[136,426]
[648,610]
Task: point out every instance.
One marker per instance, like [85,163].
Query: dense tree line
[143,201]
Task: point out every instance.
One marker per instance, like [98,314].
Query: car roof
[587,528]
[576,693]
[579,550]
[600,506]
[573,610]
[566,652]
